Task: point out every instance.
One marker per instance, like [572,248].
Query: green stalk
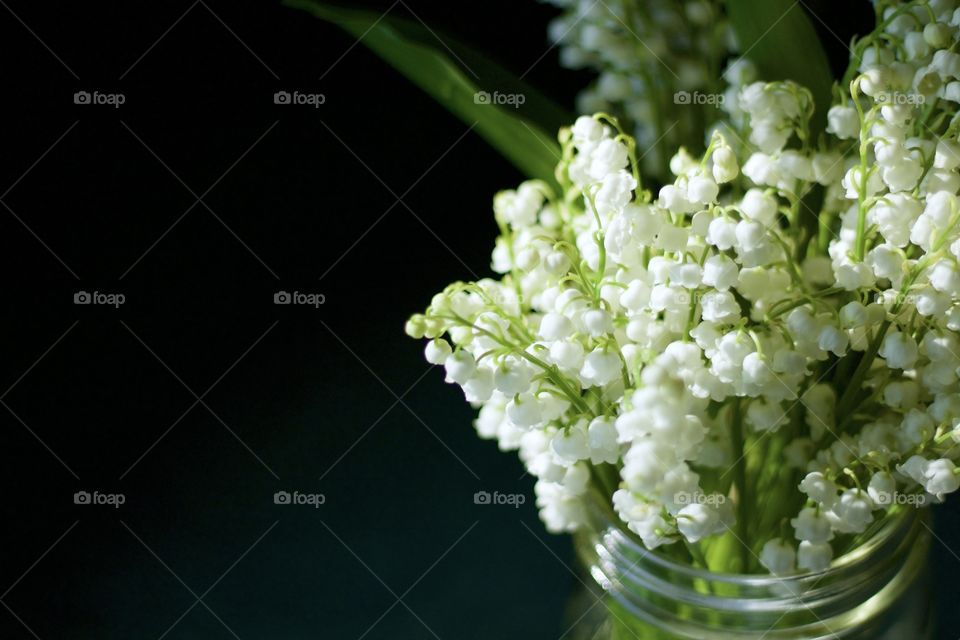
[846,402]
[740,479]
[697,554]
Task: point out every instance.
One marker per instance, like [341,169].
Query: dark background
[199,398]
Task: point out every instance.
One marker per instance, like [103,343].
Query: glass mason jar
[879,591]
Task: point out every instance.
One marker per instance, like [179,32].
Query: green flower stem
[861,244]
[793,304]
[507,235]
[624,370]
[551,372]
[691,315]
[697,554]
[602,479]
[793,269]
[554,375]
[867,41]
[846,404]
[601,247]
[522,332]
[599,489]
[740,479]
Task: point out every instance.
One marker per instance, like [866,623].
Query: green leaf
[779,38]
[453,74]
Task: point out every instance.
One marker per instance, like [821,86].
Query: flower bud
[814,557]
[415,326]
[778,556]
[437,350]
[725,166]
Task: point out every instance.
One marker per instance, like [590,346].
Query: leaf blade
[780,39]
[442,74]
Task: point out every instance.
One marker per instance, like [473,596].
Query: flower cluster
[650,57]
[766,350]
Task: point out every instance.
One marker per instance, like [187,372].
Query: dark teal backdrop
[199,399]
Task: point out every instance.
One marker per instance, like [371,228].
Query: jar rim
[894,524]
[857,589]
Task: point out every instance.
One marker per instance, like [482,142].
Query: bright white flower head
[779,291]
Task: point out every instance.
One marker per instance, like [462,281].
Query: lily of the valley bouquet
[753,365]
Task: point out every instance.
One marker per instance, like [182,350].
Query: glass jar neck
[854,598]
